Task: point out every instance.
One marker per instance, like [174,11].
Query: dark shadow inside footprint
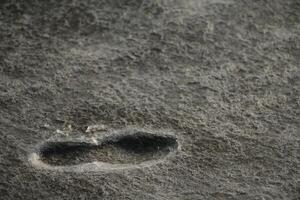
[126,149]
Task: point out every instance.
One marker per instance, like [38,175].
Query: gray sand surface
[223,76]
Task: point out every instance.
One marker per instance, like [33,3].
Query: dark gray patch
[126,149]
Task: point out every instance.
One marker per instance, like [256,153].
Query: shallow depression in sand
[120,150]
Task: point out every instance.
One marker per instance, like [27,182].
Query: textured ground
[223,74]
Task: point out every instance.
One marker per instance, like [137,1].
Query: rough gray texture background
[223,74]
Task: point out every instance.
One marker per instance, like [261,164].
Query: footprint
[124,149]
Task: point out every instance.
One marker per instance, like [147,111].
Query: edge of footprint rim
[97,138]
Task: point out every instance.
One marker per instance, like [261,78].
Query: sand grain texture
[224,75]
